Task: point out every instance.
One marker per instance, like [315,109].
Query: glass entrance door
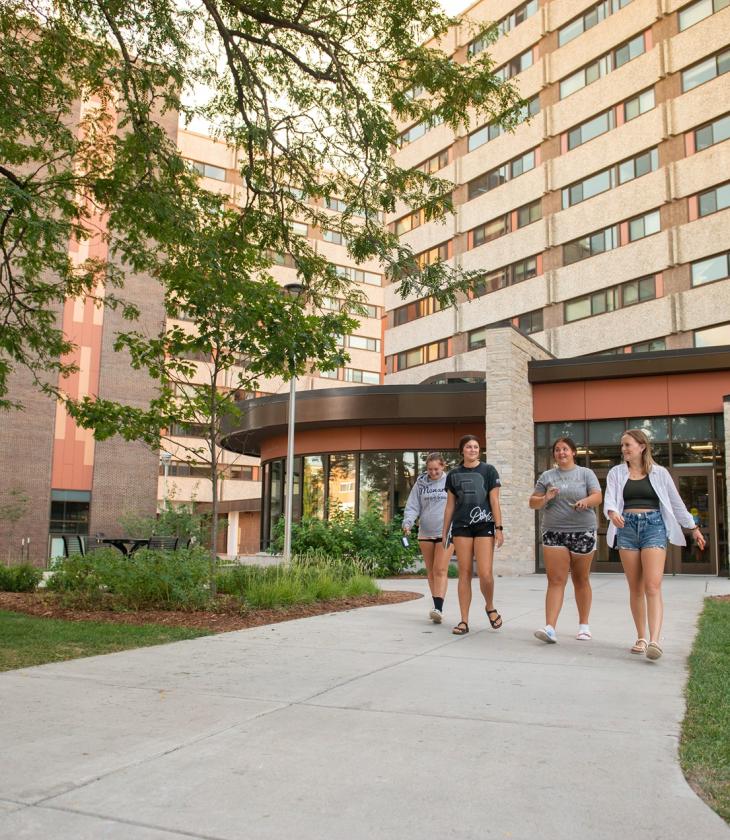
[696,486]
[606,559]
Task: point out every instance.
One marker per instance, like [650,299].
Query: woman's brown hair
[435,456]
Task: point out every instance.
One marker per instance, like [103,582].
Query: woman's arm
[413,508]
[590,501]
[537,501]
[448,514]
[684,517]
[497,514]
[611,501]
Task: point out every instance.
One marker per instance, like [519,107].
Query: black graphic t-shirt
[471,486]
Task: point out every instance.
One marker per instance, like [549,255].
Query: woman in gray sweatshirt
[426,502]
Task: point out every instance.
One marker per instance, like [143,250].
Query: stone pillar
[232,547]
[726,410]
[510,442]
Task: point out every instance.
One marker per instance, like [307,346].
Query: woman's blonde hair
[640,436]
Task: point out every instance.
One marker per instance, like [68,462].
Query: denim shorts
[642,530]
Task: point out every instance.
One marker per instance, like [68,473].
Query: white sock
[584,628]
[549,629]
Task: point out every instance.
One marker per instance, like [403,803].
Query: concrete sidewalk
[365,725]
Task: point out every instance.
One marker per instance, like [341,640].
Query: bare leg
[440,570]
[631,562]
[464,547]
[484,552]
[580,572]
[557,566]
[427,551]
[652,563]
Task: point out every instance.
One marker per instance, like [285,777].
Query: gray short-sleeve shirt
[573,484]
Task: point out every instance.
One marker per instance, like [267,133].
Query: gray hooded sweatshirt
[426,502]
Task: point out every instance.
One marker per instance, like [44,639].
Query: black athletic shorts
[479,529]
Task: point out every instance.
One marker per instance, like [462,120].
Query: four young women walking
[642,503]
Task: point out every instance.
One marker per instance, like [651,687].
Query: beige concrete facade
[671,187]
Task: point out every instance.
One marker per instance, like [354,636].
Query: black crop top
[638,493]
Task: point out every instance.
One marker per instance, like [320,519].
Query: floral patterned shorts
[577,542]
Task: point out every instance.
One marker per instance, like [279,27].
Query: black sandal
[461,629]
[496,622]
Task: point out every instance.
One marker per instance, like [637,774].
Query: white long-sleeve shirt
[674,513]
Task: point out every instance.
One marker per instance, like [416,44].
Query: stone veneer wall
[510,443]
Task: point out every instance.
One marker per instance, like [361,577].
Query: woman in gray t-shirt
[567,495]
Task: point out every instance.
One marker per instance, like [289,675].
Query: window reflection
[313,495]
[375,471]
[405,475]
[342,483]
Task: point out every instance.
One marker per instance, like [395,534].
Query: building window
[603,66]
[508,275]
[515,65]
[483,135]
[433,164]
[207,170]
[645,225]
[714,200]
[591,128]
[369,377]
[652,346]
[477,338]
[639,104]
[370,278]
[588,19]
[712,336]
[329,374]
[506,172]
[510,21]
[362,342]
[333,236]
[417,131]
[606,300]
[529,213]
[440,253]
[609,178]
[70,511]
[705,70]
[414,311]
[711,269]
[695,12]
[530,322]
[299,228]
[335,204]
[179,429]
[409,222]
[714,132]
[590,245]
[421,355]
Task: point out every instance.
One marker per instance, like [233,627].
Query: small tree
[12,512]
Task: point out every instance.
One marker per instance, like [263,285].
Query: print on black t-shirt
[471,486]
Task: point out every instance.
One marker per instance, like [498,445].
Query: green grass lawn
[26,640]
[705,747]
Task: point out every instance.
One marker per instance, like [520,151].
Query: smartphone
[405,541]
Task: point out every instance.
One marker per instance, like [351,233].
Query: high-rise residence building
[600,225]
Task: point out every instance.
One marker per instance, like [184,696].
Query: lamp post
[165,457]
[293,290]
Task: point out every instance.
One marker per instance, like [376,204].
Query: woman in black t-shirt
[473,522]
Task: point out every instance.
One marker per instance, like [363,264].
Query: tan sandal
[639,646]
[653,651]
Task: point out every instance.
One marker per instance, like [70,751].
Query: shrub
[145,579]
[369,540]
[306,579]
[23,578]
[178,521]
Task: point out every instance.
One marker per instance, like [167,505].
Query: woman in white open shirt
[645,510]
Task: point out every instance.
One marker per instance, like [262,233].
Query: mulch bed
[226,617]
